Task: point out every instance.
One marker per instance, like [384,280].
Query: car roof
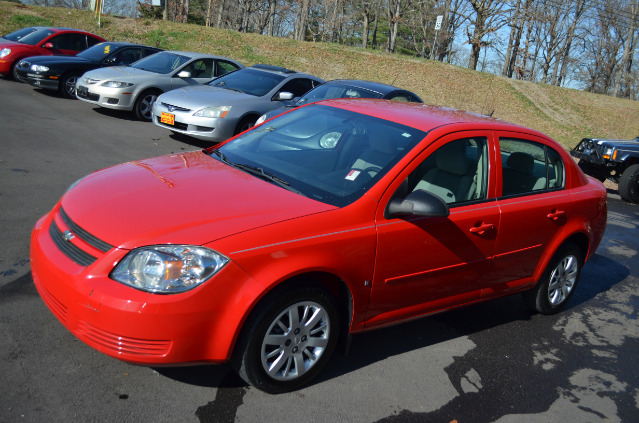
[369,85]
[280,70]
[125,44]
[422,116]
[194,54]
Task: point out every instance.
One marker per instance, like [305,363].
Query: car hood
[188,198]
[125,73]
[195,96]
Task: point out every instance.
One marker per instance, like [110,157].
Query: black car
[60,73]
[617,160]
[347,88]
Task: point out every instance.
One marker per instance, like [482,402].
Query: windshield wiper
[260,173]
[222,157]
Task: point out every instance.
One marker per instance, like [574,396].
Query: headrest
[523,162]
[452,158]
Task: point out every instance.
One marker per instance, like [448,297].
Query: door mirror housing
[184,74]
[418,203]
[284,95]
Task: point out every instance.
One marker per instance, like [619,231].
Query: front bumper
[111,98]
[206,129]
[198,326]
[38,80]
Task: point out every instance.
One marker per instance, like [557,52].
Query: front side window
[328,154]
[202,68]
[457,172]
[74,42]
[529,167]
[224,67]
[162,62]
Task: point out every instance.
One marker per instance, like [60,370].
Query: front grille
[88,96]
[84,235]
[122,344]
[74,253]
[173,108]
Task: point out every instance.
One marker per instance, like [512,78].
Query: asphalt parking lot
[493,362]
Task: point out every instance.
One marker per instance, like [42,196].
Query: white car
[135,87]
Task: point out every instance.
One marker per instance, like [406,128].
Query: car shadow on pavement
[118,114]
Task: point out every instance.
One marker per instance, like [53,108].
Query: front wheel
[144,104]
[289,339]
[67,85]
[629,184]
[246,123]
[558,281]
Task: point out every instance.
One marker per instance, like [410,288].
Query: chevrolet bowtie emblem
[68,235]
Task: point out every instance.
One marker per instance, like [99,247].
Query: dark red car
[338,217]
[44,42]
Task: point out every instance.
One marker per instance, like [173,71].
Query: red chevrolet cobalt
[342,216]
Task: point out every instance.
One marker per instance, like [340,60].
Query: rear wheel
[558,281]
[289,339]
[629,184]
[67,85]
[144,104]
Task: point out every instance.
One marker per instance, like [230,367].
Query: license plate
[167,118]
[83,91]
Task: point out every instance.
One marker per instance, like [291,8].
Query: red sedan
[44,42]
[342,216]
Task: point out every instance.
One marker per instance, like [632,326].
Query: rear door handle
[556,214]
[481,229]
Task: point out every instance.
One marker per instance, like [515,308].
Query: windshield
[17,35]
[248,81]
[35,37]
[98,52]
[324,153]
[162,62]
[328,91]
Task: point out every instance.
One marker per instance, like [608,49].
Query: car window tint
[457,172]
[127,56]
[91,41]
[529,167]
[201,68]
[74,42]
[298,86]
[224,67]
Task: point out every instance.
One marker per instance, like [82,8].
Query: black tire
[67,85]
[295,355]
[144,104]
[629,184]
[245,123]
[558,281]
[13,74]
[593,170]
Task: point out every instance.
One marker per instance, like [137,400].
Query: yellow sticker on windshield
[107,49]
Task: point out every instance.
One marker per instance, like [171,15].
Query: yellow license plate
[167,118]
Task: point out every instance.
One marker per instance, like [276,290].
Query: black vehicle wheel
[288,340]
[592,169]
[144,104]
[13,73]
[629,184]
[67,85]
[245,123]
[558,281]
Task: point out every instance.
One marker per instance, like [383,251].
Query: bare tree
[488,18]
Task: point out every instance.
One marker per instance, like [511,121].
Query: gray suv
[230,104]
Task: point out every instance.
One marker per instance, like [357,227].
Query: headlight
[5,52]
[168,269]
[39,68]
[260,120]
[608,152]
[213,112]
[116,84]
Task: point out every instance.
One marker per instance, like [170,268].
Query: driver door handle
[481,229]
[555,214]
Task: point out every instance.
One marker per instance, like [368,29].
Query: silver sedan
[230,104]
[135,88]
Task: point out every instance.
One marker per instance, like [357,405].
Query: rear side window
[529,167]
[224,67]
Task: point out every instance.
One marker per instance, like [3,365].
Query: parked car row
[207,97]
[334,217]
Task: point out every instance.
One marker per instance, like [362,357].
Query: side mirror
[184,74]
[284,95]
[418,203]
[48,45]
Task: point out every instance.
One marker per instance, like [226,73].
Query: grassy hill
[564,114]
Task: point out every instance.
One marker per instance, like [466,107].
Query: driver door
[425,264]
